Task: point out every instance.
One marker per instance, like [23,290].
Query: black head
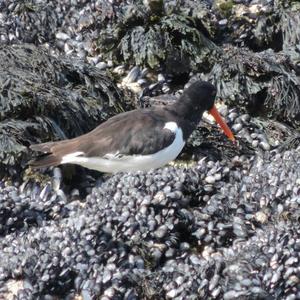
[197,98]
[200,95]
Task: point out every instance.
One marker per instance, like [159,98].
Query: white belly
[111,163]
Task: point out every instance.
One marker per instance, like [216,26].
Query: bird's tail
[48,158]
[45,160]
[53,152]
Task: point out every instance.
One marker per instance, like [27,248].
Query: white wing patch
[114,162]
[116,156]
[172,126]
[69,158]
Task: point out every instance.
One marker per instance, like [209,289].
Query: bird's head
[199,97]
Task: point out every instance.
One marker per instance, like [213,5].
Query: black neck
[185,117]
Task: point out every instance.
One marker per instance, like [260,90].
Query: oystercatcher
[140,139]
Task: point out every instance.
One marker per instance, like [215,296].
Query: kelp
[290,20]
[170,36]
[261,83]
[263,26]
[45,98]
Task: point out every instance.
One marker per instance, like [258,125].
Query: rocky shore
[222,221]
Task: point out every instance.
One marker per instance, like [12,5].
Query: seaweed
[262,26]
[261,83]
[46,98]
[290,20]
[154,36]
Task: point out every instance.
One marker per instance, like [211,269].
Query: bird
[137,140]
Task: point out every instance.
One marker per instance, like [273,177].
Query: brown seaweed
[155,36]
[46,98]
[262,83]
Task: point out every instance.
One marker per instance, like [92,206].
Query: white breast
[113,164]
